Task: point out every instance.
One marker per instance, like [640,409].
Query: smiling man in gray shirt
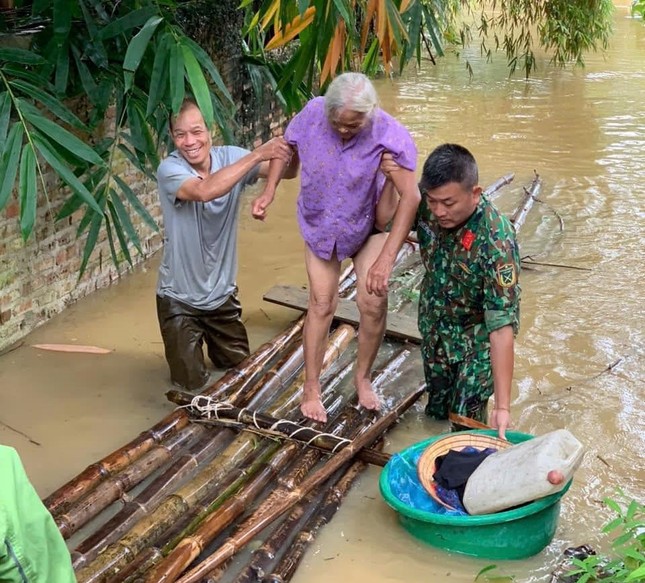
[200,187]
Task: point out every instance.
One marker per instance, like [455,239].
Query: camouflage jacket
[470,287]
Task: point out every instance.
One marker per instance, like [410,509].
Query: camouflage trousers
[463,387]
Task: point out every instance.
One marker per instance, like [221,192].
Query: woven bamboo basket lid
[456,441]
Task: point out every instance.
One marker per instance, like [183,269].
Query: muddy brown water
[583,131]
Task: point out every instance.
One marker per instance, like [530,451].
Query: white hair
[353,91]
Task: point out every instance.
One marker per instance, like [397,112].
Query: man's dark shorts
[184,329]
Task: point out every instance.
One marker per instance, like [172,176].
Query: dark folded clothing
[453,469]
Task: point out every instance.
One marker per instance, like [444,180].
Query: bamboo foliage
[335,35]
[133,63]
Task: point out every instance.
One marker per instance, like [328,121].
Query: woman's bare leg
[323,299]
[373,314]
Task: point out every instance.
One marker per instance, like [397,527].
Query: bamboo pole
[269,426]
[116,486]
[152,526]
[264,557]
[213,523]
[294,554]
[133,572]
[530,194]
[66,495]
[185,549]
[492,191]
[300,527]
[227,487]
[150,497]
[272,381]
[279,501]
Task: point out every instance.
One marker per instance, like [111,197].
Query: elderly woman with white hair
[343,208]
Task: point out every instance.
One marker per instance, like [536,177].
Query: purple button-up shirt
[340,180]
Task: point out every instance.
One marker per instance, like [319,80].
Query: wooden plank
[398,325]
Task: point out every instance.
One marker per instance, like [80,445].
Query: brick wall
[39,278]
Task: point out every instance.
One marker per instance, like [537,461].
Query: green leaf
[110,236]
[53,159]
[198,85]
[71,205]
[207,63]
[22,56]
[60,135]
[28,194]
[124,220]
[5,116]
[433,27]
[128,22]
[613,505]
[61,78]
[62,20]
[484,571]
[19,71]
[9,162]
[137,48]
[90,242]
[95,49]
[132,157]
[636,575]
[136,204]
[176,78]
[345,11]
[54,105]
[613,525]
[159,76]
[123,242]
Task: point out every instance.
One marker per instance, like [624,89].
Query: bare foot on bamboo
[311,406]
[366,395]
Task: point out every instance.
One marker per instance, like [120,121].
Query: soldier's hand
[388,165]
[378,277]
[500,419]
[275,148]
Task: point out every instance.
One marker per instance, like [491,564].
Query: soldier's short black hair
[449,163]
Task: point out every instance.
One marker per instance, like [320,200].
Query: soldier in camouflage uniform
[469,300]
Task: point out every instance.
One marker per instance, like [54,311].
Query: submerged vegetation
[86,85]
[625,563]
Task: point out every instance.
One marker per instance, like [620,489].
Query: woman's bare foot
[366,395]
[311,405]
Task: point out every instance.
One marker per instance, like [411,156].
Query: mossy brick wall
[39,278]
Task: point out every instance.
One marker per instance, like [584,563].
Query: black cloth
[453,469]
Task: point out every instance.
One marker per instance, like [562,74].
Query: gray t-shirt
[199,265]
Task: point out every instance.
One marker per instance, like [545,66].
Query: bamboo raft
[240,463]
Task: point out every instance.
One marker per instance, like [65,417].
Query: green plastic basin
[512,534]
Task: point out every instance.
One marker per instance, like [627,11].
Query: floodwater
[579,357]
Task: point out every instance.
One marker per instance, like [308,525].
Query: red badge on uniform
[467,239]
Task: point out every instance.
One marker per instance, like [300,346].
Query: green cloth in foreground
[33,551]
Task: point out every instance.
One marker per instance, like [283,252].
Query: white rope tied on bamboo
[210,409]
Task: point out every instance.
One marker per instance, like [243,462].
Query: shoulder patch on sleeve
[506,275]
